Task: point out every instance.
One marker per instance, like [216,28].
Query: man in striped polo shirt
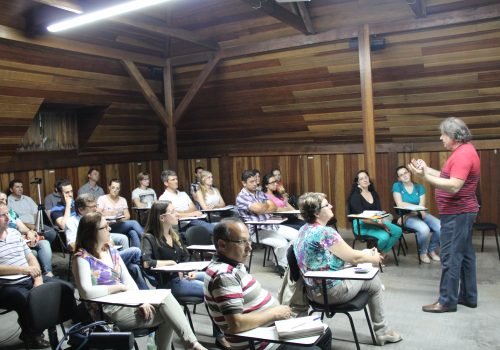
[455,194]
[16,259]
[236,300]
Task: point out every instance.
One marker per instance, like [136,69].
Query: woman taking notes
[99,271]
[321,248]
[364,197]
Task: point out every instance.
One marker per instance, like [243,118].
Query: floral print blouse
[312,252]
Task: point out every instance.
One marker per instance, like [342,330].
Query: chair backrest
[50,304]
[198,235]
[292,264]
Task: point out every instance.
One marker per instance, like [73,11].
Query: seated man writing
[236,301]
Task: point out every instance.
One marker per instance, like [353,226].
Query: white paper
[227,207]
[413,207]
[135,297]
[209,247]
[299,327]
[184,267]
[203,216]
[12,277]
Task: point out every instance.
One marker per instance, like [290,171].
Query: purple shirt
[243,202]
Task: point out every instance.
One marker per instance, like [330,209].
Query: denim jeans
[43,253]
[429,227]
[458,260]
[49,233]
[132,259]
[132,229]
[120,239]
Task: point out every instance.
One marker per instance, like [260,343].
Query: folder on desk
[299,327]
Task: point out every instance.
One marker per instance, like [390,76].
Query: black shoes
[280,270]
[34,341]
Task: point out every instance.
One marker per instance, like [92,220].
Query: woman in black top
[161,246]
[364,197]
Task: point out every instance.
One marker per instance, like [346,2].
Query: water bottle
[151,344]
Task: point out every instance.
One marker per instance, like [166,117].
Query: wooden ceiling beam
[443,19]
[147,91]
[54,42]
[166,31]
[195,87]
[418,7]
[274,10]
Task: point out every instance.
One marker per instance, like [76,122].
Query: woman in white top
[114,206]
[208,197]
[98,271]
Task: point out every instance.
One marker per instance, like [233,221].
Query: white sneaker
[425,259]
[434,256]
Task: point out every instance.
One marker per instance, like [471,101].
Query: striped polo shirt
[462,164]
[13,251]
[230,289]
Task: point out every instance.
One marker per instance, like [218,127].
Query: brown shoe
[438,308]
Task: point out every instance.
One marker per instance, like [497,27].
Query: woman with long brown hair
[99,271]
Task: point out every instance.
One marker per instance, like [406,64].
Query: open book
[299,327]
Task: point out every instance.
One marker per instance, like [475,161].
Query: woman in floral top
[99,271]
[321,248]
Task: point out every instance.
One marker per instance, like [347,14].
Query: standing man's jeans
[132,229]
[458,260]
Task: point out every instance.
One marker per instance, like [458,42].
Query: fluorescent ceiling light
[102,14]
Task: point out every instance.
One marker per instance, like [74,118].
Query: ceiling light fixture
[102,14]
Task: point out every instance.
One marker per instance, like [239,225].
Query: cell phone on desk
[361,269]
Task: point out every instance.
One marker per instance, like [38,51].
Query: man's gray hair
[166,173]
[455,129]
[84,200]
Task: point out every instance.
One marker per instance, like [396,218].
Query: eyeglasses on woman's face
[327,205]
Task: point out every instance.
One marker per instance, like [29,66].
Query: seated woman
[161,246]
[113,205]
[364,197]
[38,245]
[269,186]
[405,192]
[208,197]
[98,270]
[321,248]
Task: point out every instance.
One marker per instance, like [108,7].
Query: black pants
[15,297]
[324,343]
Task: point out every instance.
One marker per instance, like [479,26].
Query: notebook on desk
[299,327]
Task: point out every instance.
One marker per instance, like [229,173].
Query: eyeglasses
[325,206]
[272,182]
[91,206]
[240,241]
[402,174]
[104,228]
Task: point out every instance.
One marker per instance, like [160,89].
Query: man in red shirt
[455,194]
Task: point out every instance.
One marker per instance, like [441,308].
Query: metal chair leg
[353,330]
[370,325]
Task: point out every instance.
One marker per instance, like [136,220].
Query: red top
[462,164]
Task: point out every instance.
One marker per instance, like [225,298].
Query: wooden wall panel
[328,173]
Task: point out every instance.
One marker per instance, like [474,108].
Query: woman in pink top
[269,185]
[115,208]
